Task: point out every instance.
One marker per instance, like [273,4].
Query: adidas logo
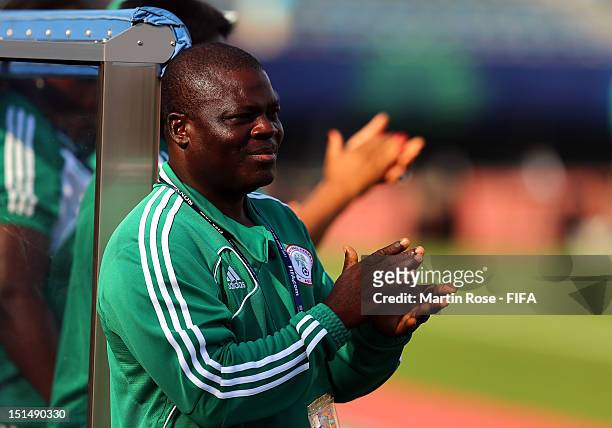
[233,280]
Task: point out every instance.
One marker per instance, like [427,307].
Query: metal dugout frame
[126,147]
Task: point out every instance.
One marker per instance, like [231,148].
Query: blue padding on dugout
[86,25]
[41,69]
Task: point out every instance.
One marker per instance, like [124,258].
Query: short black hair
[192,75]
[204,22]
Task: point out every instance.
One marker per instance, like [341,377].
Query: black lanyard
[297,298]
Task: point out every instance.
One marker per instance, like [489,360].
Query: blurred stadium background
[514,100]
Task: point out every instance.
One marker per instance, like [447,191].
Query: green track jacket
[195,339]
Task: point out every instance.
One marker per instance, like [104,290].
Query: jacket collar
[252,239]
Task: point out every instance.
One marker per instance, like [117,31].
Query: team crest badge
[302,262]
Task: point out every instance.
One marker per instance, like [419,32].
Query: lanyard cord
[289,270]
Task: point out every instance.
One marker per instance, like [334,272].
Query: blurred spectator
[42,177]
[371,156]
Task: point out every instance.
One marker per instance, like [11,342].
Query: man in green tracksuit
[328,199]
[216,308]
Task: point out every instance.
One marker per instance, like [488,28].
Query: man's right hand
[345,298]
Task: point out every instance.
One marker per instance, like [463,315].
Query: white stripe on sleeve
[30,199]
[302,322]
[9,161]
[19,163]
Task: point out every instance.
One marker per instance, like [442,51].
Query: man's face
[236,134]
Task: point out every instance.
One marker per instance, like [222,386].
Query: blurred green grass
[560,363]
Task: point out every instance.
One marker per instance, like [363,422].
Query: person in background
[369,157]
[41,179]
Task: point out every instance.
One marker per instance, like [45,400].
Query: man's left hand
[401,325]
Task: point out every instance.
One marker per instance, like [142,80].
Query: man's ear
[176,125]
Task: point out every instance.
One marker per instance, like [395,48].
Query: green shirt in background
[72,364]
[41,181]
[194,338]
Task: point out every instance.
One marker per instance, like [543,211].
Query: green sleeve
[72,362]
[364,363]
[172,322]
[30,166]
[367,359]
